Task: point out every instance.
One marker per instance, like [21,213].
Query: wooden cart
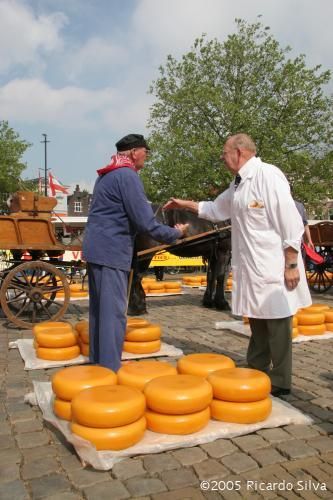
[33,290]
[320,276]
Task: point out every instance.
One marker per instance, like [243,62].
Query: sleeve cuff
[295,244]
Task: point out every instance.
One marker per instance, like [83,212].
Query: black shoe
[279,391]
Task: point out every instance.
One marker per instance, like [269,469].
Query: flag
[56,186]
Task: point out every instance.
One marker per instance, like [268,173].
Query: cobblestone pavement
[36,462]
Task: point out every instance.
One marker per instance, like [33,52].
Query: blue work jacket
[119,210]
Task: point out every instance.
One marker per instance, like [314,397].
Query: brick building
[78,203]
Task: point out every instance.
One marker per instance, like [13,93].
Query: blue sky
[79,70]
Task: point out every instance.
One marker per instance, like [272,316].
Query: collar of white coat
[248,169]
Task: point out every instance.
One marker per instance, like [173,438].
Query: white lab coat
[264,222]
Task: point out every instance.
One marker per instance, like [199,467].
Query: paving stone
[268,456]
[87,477]
[175,480]
[210,469]
[219,448]
[302,463]
[65,495]
[28,426]
[161,462]
[109,490]
[251,442]
[10,456]
[9,472]
[70,462]
[30,454]
[5,428]
[325,427]
[128,468]
[6,442]
[322,444]
[181,494]
[37,468]
[302,431]
[49,485]
[138,486]
[190,456]
[20,416]
[239,462]
[276,435]
[295,448]
[13,490]
[32,439]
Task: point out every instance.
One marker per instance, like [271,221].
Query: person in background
[307,235]
[269,283]
[119,210]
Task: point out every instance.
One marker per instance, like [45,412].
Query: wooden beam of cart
[182,242]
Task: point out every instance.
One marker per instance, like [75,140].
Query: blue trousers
[107,314]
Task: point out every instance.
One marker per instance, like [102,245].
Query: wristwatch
[293,265]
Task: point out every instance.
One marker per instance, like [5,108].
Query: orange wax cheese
[177,424]
[172,285]
[240,385]
[178,394]
[58,353]
[108,406]
[143,334]
[68,382]
[52,327]
[139,373]
[294,321]
[312,329]
[172,290]
[311,318]
[295,332]
[136,322]
[203,364]
[84,348]
[241,413]
[82,325]
[329,327]
[62,409]
[142,347]
[314,308]
[114,438]
[329,316]
[56,339]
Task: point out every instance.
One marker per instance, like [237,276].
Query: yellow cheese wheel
[137,322]
[108,406]
[84,348]
[82,325]
[56,339]
[147,279]
[52,326]
[84,336]
[139,373]
[68,382]
[203,364]
[177,424]
[241,413]
[162,290]
[295,332]
[62,409]
[329,327]
[240,385]
[311,329]
[143,334]
[171,284]
[178,394]
[76,287]
[156,286]
[35,344]
[295,321]
[115,438]
[142,347]
[58,353]
[329,316]
[173,290]
[76,295]
[314,308]
[309,318]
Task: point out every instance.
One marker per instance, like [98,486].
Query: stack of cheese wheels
[82,328]
[76,291]
[329,320]
[241,395]
[145,283]
[172,287]
[228,285]
[194,281]
[138,373]
[178,404]
[68,382]
[203,364]
[111,417]
[142,339]
[311,320]
[55,341]
[294,327]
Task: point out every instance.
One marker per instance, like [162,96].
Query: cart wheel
[29,294]
[320,278]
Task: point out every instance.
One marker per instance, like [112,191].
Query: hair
[243,141]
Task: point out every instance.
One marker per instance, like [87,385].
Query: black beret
[131,141]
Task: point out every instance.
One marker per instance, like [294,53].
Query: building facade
[78,203]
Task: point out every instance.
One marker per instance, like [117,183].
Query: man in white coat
[269,282]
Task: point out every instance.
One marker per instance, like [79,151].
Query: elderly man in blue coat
[119,210]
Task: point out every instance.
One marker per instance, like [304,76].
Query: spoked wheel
[29,294]
[320,277]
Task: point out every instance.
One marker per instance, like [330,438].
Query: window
[77,206]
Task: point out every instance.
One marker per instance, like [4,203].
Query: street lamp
[45,141]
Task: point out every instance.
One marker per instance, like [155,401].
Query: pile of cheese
[55,341]
[142,337]
[152,286]
[228,286]
[108,415]
[314,320]
[82,329]
[195,281]
[76,291]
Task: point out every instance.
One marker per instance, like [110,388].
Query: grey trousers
[270,349]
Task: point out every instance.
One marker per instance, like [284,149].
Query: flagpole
[45,163]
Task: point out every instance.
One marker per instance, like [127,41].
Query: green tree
[12,148]
[245,84]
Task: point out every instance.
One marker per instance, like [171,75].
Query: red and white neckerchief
[117,161]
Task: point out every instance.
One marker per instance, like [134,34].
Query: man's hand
[193,206]
[311,245]
[183,228]
[291,278]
